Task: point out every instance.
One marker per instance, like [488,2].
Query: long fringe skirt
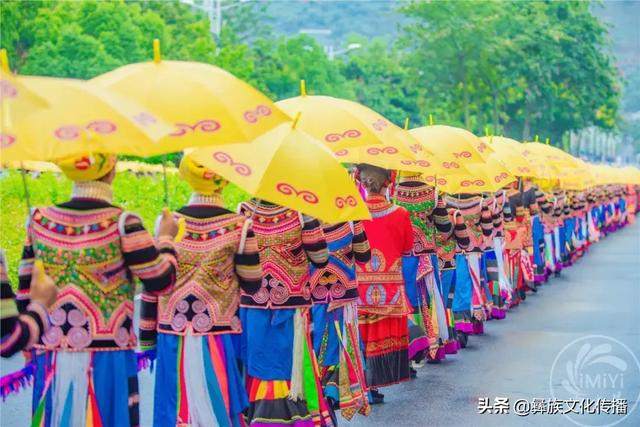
[462,299]
[418,324]
[447,280]
[85,389]
[198,382]
[479,301]
[282,373]
[336,343]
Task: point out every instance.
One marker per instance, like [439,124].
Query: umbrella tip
[547,141]
[536,139]
[430,119]
[406,123]
[156,51]
[303,88]
[295,120]
[4,61]
[486,131]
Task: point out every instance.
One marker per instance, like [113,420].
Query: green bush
[143,195]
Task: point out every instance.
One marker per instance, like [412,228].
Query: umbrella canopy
[289,167]
[205,105]
[551,154]
[508,152]
[454,147]
[487,177]
[343,124]
[80,118]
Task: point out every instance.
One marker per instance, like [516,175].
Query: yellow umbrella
[205,104]
[551,154]
[289,167]
[507,152]
[81,118]
[487,177]
[343,124]
[455,147]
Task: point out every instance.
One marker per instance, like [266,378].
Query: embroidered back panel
[420,201]
[471,209]
[206,295]
[81,252]
[285,268]
[337,281]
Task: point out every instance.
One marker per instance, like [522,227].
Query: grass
[143,195]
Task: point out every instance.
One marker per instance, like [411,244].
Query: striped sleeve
[441,218]
[247,261]
[361,248]
[18,331]
[148,321]
[496,218]
[486,221]
[314,242]
[25,269]
[154,263]
[461,233]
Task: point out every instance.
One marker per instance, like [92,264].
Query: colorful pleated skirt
[462,298]
[86,389]
[282,373]
[336,344]
[386,349]
[447,280]
[417,323]
[197,382]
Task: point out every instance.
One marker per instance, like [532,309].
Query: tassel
[15,381]
[297,385]
[146,360]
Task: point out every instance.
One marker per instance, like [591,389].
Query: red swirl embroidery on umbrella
[523,169]
[252,116]
[341,153]
[526,153]
[450,165]
[440,181]
[374,151]
[207,125]
[469,183]
[335,137]
[421,163]
[482,147]
[72,132]
[7,140]
[463,154]
[144,118]
[224,158]
[305,195]
[500,177]
[379,124]
[341,202]
[7,90]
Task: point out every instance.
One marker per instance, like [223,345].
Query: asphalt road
[600,295]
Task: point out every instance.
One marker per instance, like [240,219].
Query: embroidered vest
[81,252]
[285,268]
[206,296]
[419,200]
[337,281]
[470,209]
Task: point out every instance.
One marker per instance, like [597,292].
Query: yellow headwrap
[87,167]
[203,180]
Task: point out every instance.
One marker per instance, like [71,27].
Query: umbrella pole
[164,179]
[27,197]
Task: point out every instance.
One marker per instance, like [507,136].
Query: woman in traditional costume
[383,306]
[336,338]
[86,368]
[277,351]
[420,268]
[497,280]
[451,257]
[197,377]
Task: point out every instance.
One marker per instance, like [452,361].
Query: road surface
[600,295]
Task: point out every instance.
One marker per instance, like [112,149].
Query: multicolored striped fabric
[19,331]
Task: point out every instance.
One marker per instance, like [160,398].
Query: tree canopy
[519,68]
